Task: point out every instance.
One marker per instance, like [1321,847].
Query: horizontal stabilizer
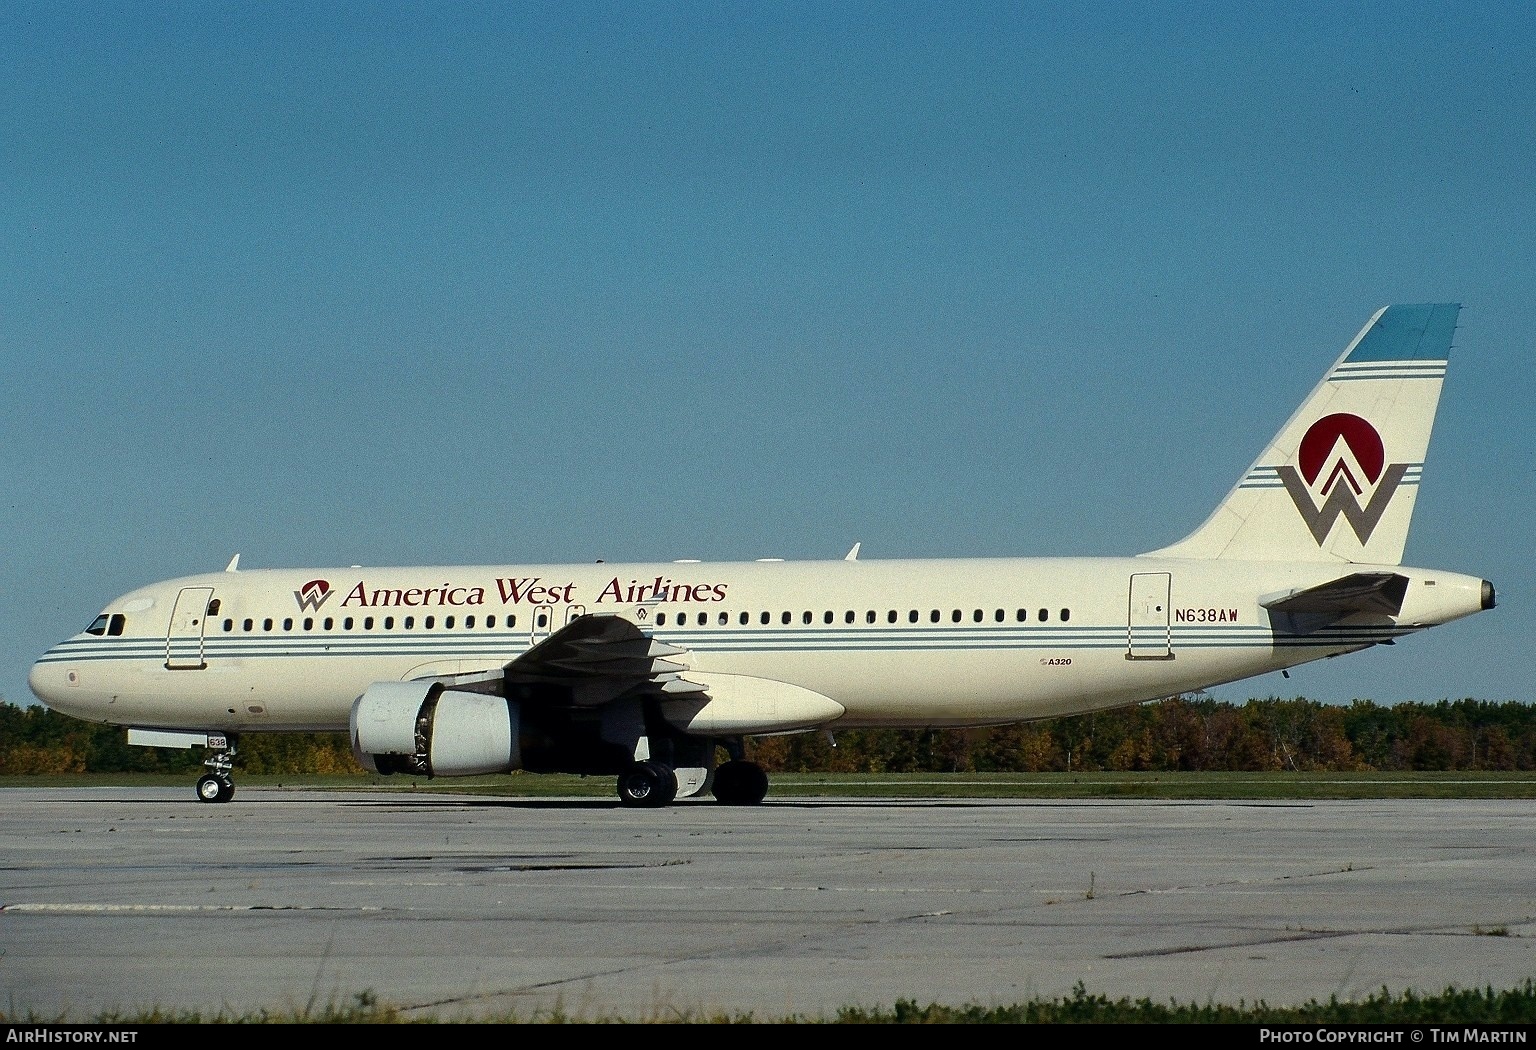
[1360,592]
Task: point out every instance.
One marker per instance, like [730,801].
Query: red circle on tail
[1363,441]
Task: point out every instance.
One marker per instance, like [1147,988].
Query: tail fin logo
[312,595]
[1342,458]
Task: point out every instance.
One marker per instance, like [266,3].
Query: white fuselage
[912,643]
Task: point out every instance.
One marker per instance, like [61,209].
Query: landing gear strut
[217,785]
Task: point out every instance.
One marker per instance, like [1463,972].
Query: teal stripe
[1409,333]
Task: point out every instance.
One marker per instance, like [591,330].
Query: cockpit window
[105,624]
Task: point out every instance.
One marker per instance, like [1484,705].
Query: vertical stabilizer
[1339,481]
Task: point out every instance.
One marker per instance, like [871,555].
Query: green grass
[1161,785]
[1247,786]
[1454,1006]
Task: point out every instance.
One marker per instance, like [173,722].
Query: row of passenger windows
[349,623]
[870,616]
[682,619]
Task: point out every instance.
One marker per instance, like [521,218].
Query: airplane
[642,671]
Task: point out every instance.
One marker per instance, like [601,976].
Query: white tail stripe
[1269,477]
[1391,370]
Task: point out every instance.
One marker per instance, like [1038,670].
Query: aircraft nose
[46,681]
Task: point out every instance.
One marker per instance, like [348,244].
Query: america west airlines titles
[522,590]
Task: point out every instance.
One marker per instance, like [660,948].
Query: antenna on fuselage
[853,555]
[234,564]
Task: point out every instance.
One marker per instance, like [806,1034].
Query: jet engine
[429,729]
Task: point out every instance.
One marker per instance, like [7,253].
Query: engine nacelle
[429,729]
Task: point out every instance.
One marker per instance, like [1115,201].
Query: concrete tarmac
[468,907]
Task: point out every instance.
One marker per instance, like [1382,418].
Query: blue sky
[441,283]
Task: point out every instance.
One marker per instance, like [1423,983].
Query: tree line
[1179,734]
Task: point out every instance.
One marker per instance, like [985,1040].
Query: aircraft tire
[211,788]
[740,783]
[647,784]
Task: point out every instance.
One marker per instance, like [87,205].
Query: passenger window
[346,625]
[955,616]
[368,623]
[999,616]
[448,623]
[725,619]
[890,617]
[247,625]
[469,621]
[746,618]
[785,617]
[229,625]
[869,617]
[661,619]
[389,623]
[933,617]
[976,616]
[288,623]
[309,623]
[805,617]
[1023,615]
[329,623]
[912,616]
[826,617]
[427,623]
[266,625]
[1066,614]
[1045,614]
[848,616]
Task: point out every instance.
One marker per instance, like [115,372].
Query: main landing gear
[217,785]
[653,784]
[740,783]
[647,784]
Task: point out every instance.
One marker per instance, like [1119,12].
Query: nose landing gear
[217,785]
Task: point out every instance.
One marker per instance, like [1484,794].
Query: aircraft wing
[1360,592]
[590,661]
